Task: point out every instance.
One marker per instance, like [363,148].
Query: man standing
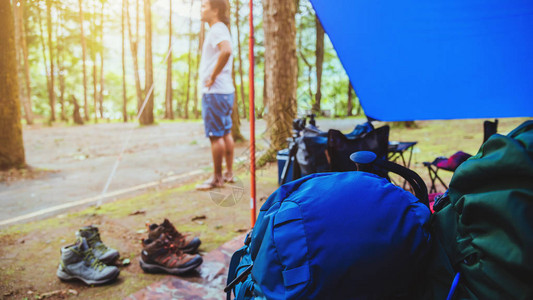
[217,90]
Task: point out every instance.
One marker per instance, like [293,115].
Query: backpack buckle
[239,278]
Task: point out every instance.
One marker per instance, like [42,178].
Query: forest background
[92,61]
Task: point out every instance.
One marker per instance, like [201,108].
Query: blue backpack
[350,235]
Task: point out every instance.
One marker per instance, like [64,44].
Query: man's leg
[228,141]
[217,150]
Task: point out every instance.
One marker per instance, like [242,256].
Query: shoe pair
[168,251]
[87,259]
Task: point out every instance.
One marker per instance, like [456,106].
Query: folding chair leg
[434,176]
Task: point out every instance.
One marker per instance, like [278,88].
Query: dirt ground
[29,254]
[70,164]
[73,164]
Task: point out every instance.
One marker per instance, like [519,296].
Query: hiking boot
[182,242]
[78,262]
[160,256]
[102,252]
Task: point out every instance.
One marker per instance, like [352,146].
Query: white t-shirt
[210,53]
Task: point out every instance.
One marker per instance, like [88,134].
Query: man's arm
[225,53]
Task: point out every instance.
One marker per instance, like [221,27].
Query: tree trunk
[124,95]
[200,45]
[236,128]
[189,65]
[134,46]
[43,47]
[101,94]
[84,59]
[147,115]
[11,147]
[281,69]
[51,91]
[350,99]
[94,33]
[60,67]
[18,54]
[169,113]
[76,113]
[28,103]
[22,57]
[241,73]
[319,62]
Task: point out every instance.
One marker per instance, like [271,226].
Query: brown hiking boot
[160,256]
[182,242]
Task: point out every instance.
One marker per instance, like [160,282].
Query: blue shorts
[216,112]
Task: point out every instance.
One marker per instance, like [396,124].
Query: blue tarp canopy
[438,59]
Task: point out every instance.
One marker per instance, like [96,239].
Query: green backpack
[483,226]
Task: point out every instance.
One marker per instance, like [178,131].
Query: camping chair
[340,147]
[450,164]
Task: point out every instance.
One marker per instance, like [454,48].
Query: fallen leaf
[201,217]
[138,212]
[142,231]
[126,262]
[73,292]
[49,294]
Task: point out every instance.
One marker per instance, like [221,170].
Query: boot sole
[66,277]
[153,268]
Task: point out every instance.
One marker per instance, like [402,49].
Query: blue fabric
[216,113]
[336,236]
[440,59]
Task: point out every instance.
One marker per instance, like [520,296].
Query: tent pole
[252,114]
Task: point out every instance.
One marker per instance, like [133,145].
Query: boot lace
[96,242]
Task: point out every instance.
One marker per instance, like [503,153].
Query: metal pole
[252,114]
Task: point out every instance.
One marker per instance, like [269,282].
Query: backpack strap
[235,259]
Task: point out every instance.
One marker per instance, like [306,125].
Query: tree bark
[134,46]
[84,59]
[350,99]
[319,63]
[169,113]
[241,73]
[101,93]
[51,91]
[281,69]
[147,115]
[11,147]
[124,93]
